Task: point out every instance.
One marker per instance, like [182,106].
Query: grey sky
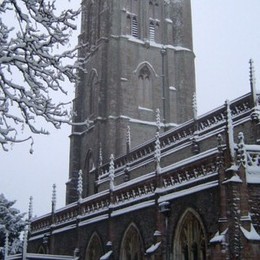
[226,35]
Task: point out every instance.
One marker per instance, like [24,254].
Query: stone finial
[100,158]
[25,244]
[157,152]
[241,149]
[112,173]
[230,131]
[158,119]
[80,185]
[194,105]
[6,244]
[220,157]
[128,140]
[30,211]
[54,197]
[252,81]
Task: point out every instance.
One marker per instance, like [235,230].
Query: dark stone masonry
[148,178]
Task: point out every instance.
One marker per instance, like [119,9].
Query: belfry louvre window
[152,31]
[134,30]
[132,11]
[154,21]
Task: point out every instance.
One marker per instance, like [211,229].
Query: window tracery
[190,239]
[131,247]
[94,248]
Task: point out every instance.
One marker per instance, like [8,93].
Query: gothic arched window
[89,177]
[190,240]
[145,88]
[94,249]
[132,246]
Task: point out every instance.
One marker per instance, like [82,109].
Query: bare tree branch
[33,68]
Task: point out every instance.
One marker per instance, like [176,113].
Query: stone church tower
[139,57]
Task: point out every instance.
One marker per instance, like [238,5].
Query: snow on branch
[36,66]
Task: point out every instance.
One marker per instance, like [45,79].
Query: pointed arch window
[89,176]
[190,241]
[94,249]
[132,246]
[145,88]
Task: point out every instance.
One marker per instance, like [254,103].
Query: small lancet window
[145,88]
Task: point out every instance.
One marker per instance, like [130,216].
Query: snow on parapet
[252,234]
[253,174]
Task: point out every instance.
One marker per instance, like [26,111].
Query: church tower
[138,57]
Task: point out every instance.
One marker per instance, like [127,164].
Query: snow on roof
[153,248]
[233,167]
[234,178]
[218,238]
[106,255]
[252,234]
[168,20]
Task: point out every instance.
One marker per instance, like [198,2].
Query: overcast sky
[226,35]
